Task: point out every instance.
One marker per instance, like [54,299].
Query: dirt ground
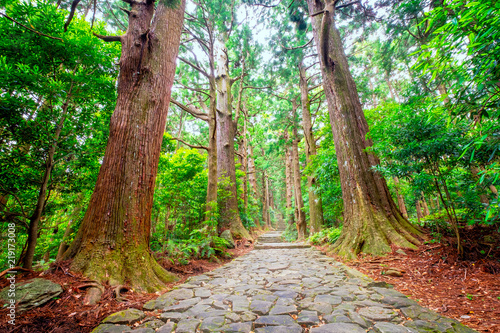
[466,290]
[67,314]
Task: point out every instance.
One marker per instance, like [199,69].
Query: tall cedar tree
[372,222]
[112,243]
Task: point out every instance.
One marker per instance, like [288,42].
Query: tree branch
[297,47]
[199,69]
[28,28]
[346,5]
[191,110]
[190,145]
[108,38]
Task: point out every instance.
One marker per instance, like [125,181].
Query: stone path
[281,288]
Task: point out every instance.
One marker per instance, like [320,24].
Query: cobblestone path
[281,288]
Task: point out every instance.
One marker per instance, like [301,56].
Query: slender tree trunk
[426,211]
[265,204]
[112,243]
[78,206]
[299,202]
[229,216]
[315,203]
[179,132]
[372,222]
[27,260]
[268,201]
[289,186]
[419,211]
[252,174]
[4,198]
[401,200]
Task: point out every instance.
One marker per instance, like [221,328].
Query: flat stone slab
[268,246]
[284,290]
[274,321]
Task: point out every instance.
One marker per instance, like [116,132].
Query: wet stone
[180,294]
[425,326]
[285,294]
[143,330]
[154,324]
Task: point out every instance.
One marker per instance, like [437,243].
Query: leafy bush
[329,235]
[290,234]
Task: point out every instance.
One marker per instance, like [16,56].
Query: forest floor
[67,314]
[465,290]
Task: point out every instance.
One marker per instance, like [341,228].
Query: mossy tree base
[134,267]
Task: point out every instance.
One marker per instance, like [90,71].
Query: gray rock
[143,330]
[333,300]
[110,328]
[338,328]
[173,316]
[308,318]
[280,329]
[128,316]
[202,292]
[260,307]
[377,313]
[32,294]
[285,294]
[392,328]
[283,309]
[237,328]
[182,305]
[212,324]
[425,326]
[154,324]
[274,321]
[226,234]
[167,328]
[398,302]
[187,326]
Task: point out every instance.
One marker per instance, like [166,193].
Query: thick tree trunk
[289,186]
[299,202]
[372,222]
[315,203]
[401,200]
[113,241]
[229,216]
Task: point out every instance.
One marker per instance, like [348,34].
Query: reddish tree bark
[112,243]
[372,222]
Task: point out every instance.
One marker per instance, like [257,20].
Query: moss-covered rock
[128,316]
[32,293]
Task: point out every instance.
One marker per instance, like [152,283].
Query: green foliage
[49,84]
[328,235]
[290,234]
